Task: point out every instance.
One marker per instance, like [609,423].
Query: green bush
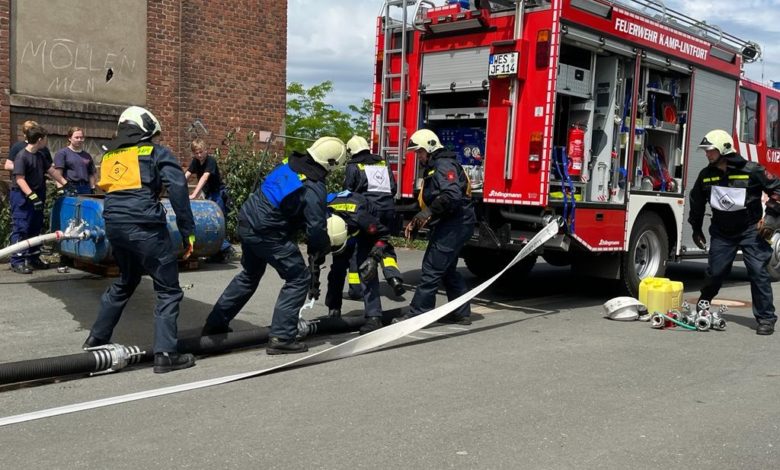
[243,163]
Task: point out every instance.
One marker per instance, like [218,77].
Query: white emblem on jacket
[378,179]
[728,199]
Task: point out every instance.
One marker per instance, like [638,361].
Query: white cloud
[335,40]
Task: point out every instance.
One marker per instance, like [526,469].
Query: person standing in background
[205,167]
[75,164]
[28,198]
[16,147]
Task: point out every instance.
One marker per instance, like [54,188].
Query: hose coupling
[657,321]
[114,357]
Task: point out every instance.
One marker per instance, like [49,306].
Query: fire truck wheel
[648,251]
[484,262]
[557,258]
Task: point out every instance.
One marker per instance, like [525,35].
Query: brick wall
[5,79]
[222,62]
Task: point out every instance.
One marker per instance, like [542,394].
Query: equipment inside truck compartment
[459,120]
[594,156]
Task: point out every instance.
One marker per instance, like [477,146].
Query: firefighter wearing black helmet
[446,208]
[733,187]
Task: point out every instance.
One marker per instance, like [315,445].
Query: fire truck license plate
[503,64]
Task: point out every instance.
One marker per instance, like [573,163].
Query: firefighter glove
[418,221]
[699,239]
[368,269]
[768,225]
[36,201]
[67,190]
[316,259]
[314,284]
[189,246]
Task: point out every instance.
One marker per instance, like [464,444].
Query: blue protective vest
[280,183]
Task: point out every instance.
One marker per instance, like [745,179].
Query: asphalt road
[540,380]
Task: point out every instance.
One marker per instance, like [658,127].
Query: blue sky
[334,40]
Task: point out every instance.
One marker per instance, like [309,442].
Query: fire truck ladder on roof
[394,82]
[657,10]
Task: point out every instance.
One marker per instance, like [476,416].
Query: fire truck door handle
[599,217]
[506,102]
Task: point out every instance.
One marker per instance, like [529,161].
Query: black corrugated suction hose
[102,360]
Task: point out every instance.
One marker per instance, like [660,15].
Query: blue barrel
[209,228]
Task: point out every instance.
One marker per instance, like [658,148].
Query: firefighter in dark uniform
[733,186]
[369,175]
[446,207]
[133,172]
[354,229]
[292,197]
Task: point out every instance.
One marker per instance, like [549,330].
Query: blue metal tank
[209,228]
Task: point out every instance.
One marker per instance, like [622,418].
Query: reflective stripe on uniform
[389,262]
[343,207]
[353,278]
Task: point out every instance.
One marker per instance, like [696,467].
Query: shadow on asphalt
[136,325]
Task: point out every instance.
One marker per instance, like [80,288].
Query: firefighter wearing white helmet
[371,176]
[447,209]
[734,187]
[328,152]
[291,198]
[356,233]
[133,173]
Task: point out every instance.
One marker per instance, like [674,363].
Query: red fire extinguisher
[576,150]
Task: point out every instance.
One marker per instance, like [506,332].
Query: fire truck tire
[557,258]
[648,251]
[484,262]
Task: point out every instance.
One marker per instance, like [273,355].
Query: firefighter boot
[372,323]
[280,346]
[92,342]
[334,313]
[765,329]
[165,362]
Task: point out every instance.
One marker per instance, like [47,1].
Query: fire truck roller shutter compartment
[712,107]
[454,99]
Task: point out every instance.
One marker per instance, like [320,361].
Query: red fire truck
[584,110]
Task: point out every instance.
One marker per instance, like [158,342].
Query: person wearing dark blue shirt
[28,197]
[75,164]
[205,167]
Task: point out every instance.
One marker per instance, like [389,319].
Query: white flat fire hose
[358,345]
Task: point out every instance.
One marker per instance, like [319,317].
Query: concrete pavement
[540,380]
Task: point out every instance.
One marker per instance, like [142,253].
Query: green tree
[361,118]
[309,116]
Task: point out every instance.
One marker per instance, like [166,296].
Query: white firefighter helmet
[622,308]
[356,144]
[142,118]
[424,139]
[329,152]
[719,140]
[337,232]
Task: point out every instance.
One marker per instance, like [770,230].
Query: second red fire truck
[585,110]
